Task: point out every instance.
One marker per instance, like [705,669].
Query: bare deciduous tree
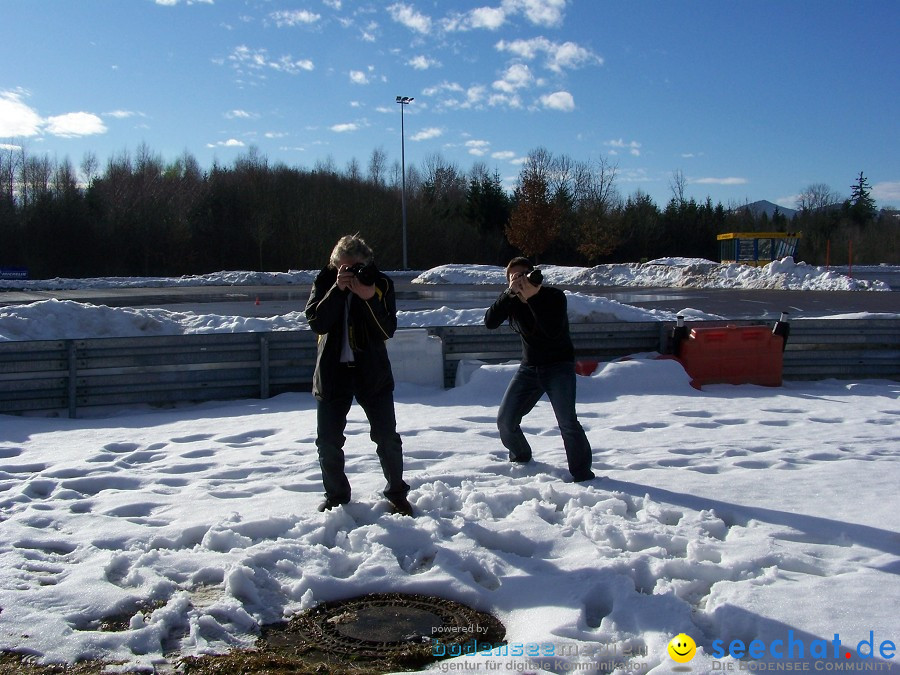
[677,184]
[89,167]
[377,166]
[817,196]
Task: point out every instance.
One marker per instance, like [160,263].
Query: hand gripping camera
[535,277]
[365,272]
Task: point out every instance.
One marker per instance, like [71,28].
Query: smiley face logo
[682,648]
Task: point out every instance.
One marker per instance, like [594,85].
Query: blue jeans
[529,383]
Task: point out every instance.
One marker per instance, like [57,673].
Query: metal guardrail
[74,374]
[816,349]
[69,375]
[599,341]
[859,349]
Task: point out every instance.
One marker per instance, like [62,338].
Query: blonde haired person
[353,309]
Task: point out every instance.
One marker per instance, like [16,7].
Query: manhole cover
[394,626]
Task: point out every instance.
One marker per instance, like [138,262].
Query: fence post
[72,385]
[663,338]
[263,366]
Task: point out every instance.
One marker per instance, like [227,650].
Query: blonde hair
[351,246]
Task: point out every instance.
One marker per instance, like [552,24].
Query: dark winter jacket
[542,323]
[371,323]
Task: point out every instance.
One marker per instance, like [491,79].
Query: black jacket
[371,323]
[542,323]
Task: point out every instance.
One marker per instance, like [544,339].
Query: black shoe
[583,478]
[401,505]
[519,460]
[330,503]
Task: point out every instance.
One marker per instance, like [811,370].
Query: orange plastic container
[733,355]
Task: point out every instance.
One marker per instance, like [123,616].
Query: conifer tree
[861,206]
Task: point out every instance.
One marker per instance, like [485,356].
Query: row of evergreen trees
[142,216]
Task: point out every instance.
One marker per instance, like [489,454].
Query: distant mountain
[763,206]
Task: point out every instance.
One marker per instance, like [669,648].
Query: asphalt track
[266,301]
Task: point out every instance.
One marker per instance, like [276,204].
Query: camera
[365,272]
[534,276]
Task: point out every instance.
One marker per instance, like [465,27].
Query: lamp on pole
[403,101]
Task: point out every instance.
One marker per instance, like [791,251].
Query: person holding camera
[353,309]
[539,315]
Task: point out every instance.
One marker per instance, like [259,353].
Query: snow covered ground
[664,272]
[67,319]
[55,319]
[735,513]
[670,273]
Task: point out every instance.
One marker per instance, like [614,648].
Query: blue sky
[748,100]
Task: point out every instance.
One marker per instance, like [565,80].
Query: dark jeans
[529,383]
[332,420]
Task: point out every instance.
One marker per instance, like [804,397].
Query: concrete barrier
[417,357]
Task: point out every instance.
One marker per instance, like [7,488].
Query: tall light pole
[403,101]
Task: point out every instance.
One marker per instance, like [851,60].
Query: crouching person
[352,308]
[539,315]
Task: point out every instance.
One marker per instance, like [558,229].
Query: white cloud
[17,118]
[886,191]
[503,155]
[526,49]
[75,124]
[489,18]
[570,55]
[475,95]
[558,56]
[288,64]
[368,33]
[510,101]
[633,147]
[427,134]
[539,12]
[172,3]
[358,77]
[294,17]
[731,180]
[344,128]
[442,87]
[422,62]
[559,100]
[409,17]
[122,114]
[470,98]
[518,75]
[240,114]
[230,143]
[257,60]
[478,148]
